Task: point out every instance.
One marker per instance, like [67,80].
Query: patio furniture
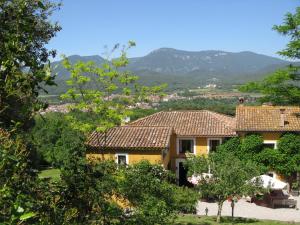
[279,198]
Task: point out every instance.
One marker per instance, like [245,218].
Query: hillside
[182,69]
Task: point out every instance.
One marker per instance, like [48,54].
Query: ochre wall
[267,136]
[201,149]
[153,156]
[271,136]
[133,156]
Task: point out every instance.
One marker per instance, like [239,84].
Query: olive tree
[229,178]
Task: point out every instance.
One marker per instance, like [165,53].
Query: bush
[252,144]
[185,199]
[54,139]
[154,197]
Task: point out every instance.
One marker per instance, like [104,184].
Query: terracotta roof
[267,118]
[191,123]
[131,137]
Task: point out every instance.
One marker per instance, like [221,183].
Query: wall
[133,156]
[267,136]
[201,149]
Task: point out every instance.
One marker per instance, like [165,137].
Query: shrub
[186,199]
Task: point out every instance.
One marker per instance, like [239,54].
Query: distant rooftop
[191,122]
[268,118]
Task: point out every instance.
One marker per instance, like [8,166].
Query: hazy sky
[230,25]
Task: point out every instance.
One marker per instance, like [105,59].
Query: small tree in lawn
[230,177]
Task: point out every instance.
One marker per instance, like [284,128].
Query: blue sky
[230,25]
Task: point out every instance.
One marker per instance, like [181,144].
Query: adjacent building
[166,137]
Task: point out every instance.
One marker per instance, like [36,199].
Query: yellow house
[165,138]
[268,121]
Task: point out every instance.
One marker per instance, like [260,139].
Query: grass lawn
[54,174]
[207,220]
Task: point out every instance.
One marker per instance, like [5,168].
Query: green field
[207,220]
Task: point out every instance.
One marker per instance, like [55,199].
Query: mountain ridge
[184,69]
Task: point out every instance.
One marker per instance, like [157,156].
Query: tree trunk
[220,204]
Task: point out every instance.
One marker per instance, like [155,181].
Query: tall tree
[25,29]
[282,87]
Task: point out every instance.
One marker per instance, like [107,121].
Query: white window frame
[121,154]
[271,142]
[185,138]
[211,139]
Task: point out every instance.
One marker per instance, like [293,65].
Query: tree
[17,181]
[155,200]
[55,139]
[289,158]
[230,177]
[285,159]
[282,86]
[107,91]
[25,30]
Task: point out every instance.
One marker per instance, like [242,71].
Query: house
[268,121]
[166,137]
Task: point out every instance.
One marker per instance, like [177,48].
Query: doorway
[181,173]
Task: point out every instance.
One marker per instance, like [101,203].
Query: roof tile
[191,123]
[267,118]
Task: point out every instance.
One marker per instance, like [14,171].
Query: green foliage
[232,145]
[17,182]
[251,145]
[288,154]
[185,199]
[88,188]
[285,159]
[140,113]
[25,29]
[229,176]
[107,80]
[290,28]
[54,138]
[154,198]
[226,106]
[246,149]
[282,86]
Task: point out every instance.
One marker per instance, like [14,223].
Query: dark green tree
[25,30]
[155,200]
[55,139]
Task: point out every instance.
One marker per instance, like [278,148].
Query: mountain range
[189,69]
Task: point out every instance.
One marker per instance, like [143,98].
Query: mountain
[182,69]
[172,61]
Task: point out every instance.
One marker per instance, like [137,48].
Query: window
[270,144]
[122,159]
[186,145]
[213,143]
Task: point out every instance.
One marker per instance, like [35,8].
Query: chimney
[241,100]
[282,117]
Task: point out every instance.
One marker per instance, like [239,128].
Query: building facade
[166,137]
